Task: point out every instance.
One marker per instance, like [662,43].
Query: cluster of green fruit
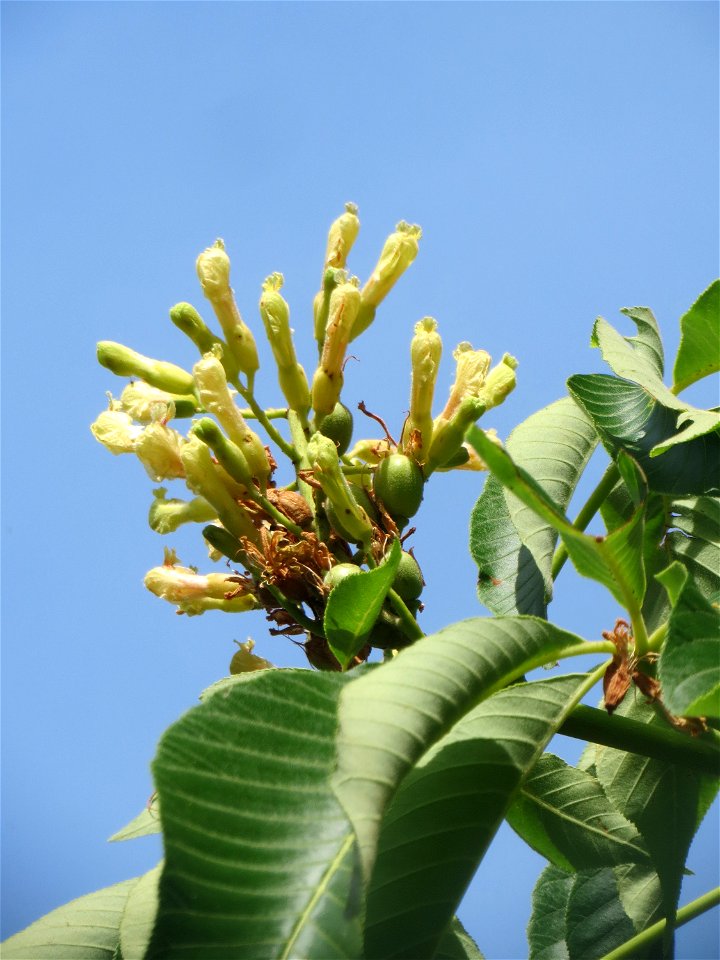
[344,507]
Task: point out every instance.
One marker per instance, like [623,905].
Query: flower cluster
[287,546]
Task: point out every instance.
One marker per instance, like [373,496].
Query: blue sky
[562,160]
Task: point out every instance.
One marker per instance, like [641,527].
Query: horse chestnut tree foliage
[340,811]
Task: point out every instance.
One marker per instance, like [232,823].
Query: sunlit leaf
[689,667]
[511,544]
[84,929]
[699,352]
[628,418]
[354,605]
[449,807]
[258,853]
[145,824]
[139,916]
[647,341]
[393,715]
[616,560]
[563,813]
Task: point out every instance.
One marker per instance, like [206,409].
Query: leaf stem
[410,627]
[272,413]
[262,417]
[660,742]
[587,512]
[635,945]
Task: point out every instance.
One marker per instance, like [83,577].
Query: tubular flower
[115,430]
[449,433]
[275,314]
[324,462]
[158,449]
[471,370]
[166,516]
[216,398]
[425,354]
[147,404]
[328,379]
[213,270]
[399,251]
[186,318]
[194,593]
[500,382]
[341,236]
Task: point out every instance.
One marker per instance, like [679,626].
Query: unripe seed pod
[158,373]
[387,633]
[398,484]
[338,426]
[341,571]
[408,582]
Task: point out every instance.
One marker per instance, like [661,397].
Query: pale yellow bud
[323,459]
[342,236]
[425,354]
[115,430]
[370,451]
[471,370]
[328,379]
[213,270]
[245,661]
[276,317]
[146,403]
[500,382]
[203,479]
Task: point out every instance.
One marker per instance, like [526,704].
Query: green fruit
[339,572]
[408,582]
[386,634]
[338,427]
[398,484]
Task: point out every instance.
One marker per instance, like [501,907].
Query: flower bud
[166,516]
[370,451]
[323,459]
[399,251]
[471,370]
[213,269]
[328,379]
[425,353]
[202,478]
[147,404]
[216,399]
[500,382]
[128,363]
[342,236]
[275,314]
[194,593]
[228,454]
[186,318]
[321,303]
[158,449]
[115,430]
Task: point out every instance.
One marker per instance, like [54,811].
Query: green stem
[260,415]
[299,439]
[588,511]
[410,627]
[272,413]
[636,945]
[312,626]
[277,515]
[658,741]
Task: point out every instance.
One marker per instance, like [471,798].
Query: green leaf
[391,716]
[689,666]
[259,857]
[633,365]
[616,560]
[145,824]
[640,894]
[563,813]
[660,798]
[448,809]
[647,342]
[628,418]
[457,944]
[547,928]
[84,929]
[596,921]
[699,352]
[138,917]
[512,546]
[355,604]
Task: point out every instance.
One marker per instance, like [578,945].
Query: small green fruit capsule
[338,426]
[386,633]
[408,582]
[340,571]
[398,484]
